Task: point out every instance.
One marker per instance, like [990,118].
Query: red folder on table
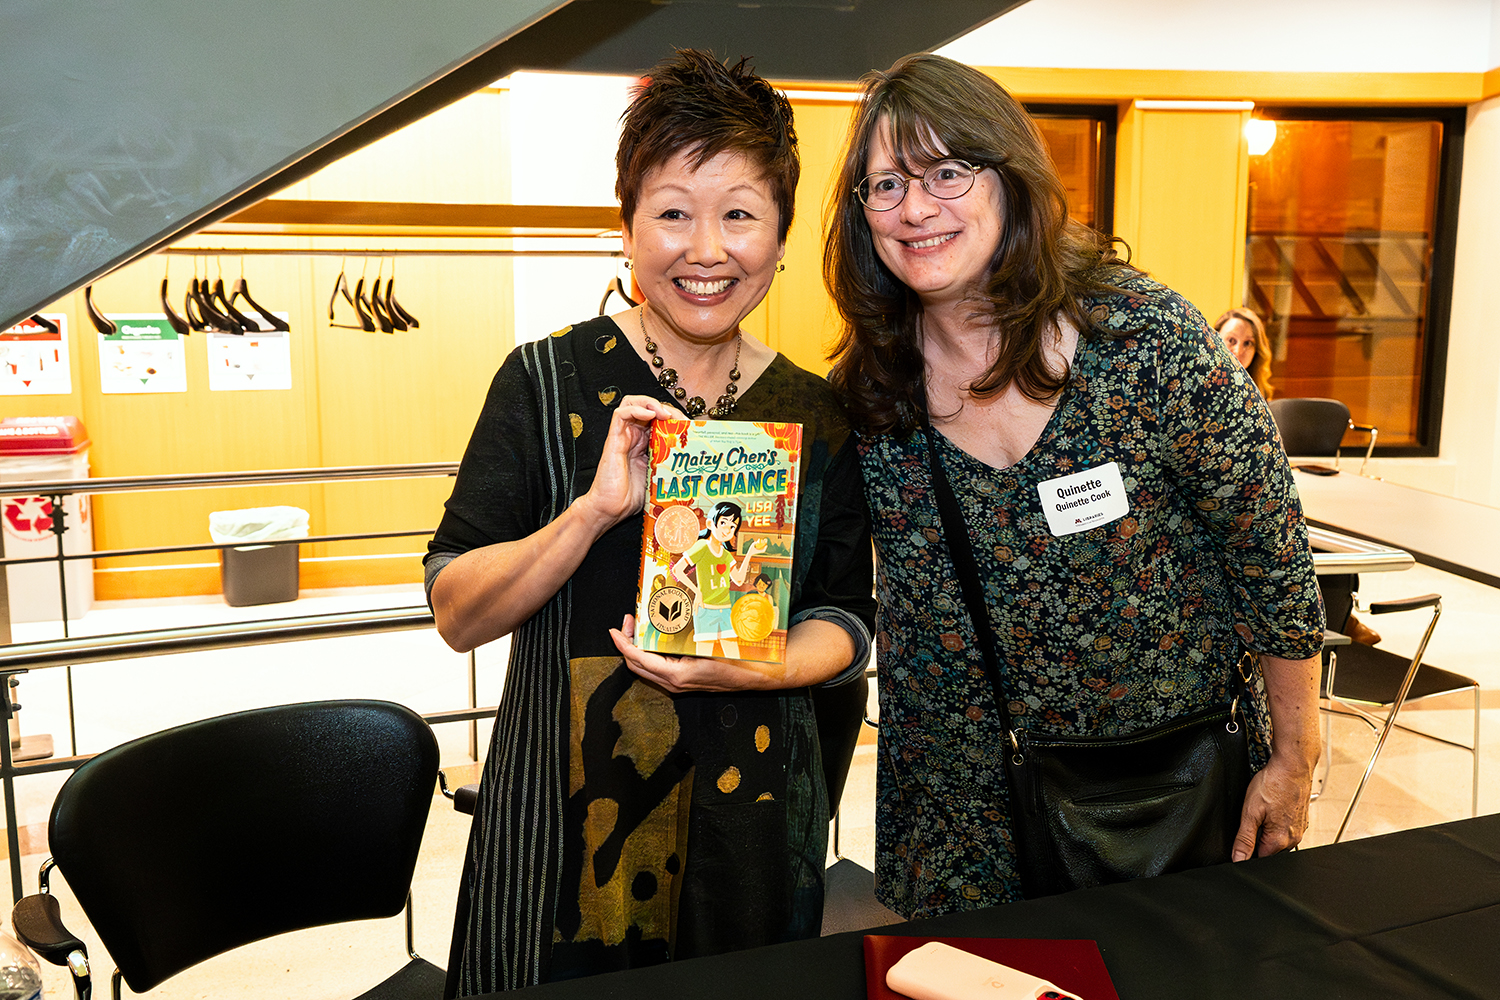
[1075,966]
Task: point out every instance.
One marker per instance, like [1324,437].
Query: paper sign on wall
[144,354]
[34,359]
[250,361]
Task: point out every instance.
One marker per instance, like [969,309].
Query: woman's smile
[940,248]
[704,241]
[925,244]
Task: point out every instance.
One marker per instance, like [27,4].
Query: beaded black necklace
[668,378]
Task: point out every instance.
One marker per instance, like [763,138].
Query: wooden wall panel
[1190,220]
[806,322]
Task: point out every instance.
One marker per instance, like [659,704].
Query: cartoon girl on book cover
[718,573]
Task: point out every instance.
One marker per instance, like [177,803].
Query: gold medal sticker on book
[716,551]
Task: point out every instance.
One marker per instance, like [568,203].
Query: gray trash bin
[258,573]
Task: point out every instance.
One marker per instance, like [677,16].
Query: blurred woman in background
[1245,336]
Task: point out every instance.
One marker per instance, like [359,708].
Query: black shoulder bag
[1088,810]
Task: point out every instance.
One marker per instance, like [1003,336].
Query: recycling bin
[34,449]
[258,573]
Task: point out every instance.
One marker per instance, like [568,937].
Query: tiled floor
[1416,783]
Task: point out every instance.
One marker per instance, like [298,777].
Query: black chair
[187,843]
[849,902]
[1356,676]
[1315,428]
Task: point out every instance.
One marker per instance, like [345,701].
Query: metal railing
[1335,553]
[56,490]
[18,659]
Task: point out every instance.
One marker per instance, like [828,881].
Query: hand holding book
[816,651]
[623,477]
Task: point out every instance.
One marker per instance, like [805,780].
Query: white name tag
[1084,500]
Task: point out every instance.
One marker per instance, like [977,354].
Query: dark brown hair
[1259,367]
[694,102]
[1045,262]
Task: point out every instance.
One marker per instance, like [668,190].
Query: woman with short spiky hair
[638,807]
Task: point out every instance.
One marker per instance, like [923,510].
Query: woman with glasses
[636,807]
[1133,524]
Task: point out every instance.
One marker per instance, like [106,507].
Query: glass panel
[1339,262]
[1075,144]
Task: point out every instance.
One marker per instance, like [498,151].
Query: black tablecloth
[1408,915]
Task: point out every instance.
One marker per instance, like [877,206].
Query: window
[1352,217]
[1082,143]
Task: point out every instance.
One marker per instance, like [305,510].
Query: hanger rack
[383,219]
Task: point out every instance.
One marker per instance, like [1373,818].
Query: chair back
[189,842]
[1310,427]
[840,712]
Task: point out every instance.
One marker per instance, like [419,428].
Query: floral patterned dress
[1104,631]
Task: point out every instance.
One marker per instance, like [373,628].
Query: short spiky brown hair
[694,102]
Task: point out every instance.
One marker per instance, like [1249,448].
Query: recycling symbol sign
[27,518]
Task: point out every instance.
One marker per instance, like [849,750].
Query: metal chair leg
[1390,721]
[1474,801]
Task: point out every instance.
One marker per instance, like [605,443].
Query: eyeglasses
[883,190]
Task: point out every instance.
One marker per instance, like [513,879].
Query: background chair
[849,902]
[1316,427]
[1355,676]
[190,842]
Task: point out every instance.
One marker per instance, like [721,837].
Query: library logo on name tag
[1084,500]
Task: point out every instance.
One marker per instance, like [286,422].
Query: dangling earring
[628,265]
[780,268]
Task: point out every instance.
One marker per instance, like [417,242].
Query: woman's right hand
[623,476]
[486,592]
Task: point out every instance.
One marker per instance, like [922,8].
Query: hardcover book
[716,552]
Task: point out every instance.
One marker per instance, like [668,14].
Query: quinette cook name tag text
[1084,500]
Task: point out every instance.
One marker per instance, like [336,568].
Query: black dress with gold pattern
[689,824]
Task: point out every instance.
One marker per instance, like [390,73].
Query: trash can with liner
[258,573]
[33,449]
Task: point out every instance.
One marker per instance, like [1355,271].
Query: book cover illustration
[716,552]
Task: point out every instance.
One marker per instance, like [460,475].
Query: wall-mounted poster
[250,360]
[144,354]
[34,357]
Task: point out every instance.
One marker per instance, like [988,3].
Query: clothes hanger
[199,316]
[377,309]
[213,320]
[362,303]
[341,287]
[192,309]
[177,322]
[101,322]
[241,290]
[44,323]
[200,301]
[362,306]
[398,325]
[393,307]
[376,306]
[243,324]
[615,287]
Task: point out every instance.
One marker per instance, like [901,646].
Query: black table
[1409,915]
